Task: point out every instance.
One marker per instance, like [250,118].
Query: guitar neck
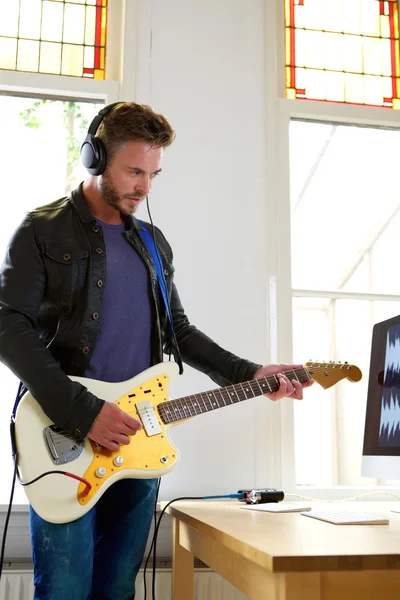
[196,404]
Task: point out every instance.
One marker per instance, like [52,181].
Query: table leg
[182,567]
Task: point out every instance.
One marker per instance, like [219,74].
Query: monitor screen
[381,451]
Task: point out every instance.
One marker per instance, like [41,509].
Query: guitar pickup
[149,418]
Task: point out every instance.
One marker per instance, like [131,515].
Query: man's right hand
[112,427]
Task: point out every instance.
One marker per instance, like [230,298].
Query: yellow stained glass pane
[291,94]
[373,89]
[90,25]
[8,53]
[102,58]
[29,19]
[50,57]
[74,24]
[372,56]
[88,57]
[334,86]
[52,21]
[288,82]
[98,74]
[353,53]
[396,104]
[353,88]
[333,20]
[314,41]
[9,19]
[103,27]
[72,60]
[333,51]
[370,18]
[28,55]
[288,45]
[352,16]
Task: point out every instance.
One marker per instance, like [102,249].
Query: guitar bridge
[62,448]
[149,418]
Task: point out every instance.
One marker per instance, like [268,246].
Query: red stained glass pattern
[61,37]
[341,51]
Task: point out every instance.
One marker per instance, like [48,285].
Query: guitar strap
[149,242]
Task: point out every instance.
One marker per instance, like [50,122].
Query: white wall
[205,72]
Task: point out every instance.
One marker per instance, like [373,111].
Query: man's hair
[131,122]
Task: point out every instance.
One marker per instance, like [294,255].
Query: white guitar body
[56,497]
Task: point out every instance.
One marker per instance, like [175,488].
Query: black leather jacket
[52,284]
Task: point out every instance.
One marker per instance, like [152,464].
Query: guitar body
[150,454]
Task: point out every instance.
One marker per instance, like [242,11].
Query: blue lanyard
[153,251]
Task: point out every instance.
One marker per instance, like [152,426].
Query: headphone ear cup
[93,155]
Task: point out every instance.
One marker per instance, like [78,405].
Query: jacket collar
[78,200]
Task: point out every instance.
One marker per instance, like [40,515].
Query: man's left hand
[287,387]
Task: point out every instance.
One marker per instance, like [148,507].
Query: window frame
[279,467]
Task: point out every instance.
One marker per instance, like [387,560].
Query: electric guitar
[85,469]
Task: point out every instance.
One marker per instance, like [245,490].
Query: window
[64,37]
[332,221]
[42,151]
[345,215]
[343,51]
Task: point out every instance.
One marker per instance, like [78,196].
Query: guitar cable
[21,390]
[239,496]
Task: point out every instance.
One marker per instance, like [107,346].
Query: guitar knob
[118,461]
[100,472]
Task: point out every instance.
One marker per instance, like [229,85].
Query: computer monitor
[381,451]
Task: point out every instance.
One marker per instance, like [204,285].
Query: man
[79,295]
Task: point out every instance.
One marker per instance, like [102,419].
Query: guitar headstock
[329,373]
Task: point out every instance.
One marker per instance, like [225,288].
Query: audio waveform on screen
[389,380]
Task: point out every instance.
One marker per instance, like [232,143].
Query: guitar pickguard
[149,449]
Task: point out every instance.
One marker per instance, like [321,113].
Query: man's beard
[110,195]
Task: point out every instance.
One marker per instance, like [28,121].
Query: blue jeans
[98,556]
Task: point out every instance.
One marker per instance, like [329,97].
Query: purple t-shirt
[123,344]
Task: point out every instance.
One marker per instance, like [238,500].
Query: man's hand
[112,427]
[292,388]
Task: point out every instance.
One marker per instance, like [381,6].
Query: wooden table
[287,556]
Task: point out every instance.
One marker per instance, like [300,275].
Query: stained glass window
[343,51]
[62,37]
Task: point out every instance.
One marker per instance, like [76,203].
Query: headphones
[93,153]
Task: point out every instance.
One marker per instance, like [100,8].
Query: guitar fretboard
[196,404]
